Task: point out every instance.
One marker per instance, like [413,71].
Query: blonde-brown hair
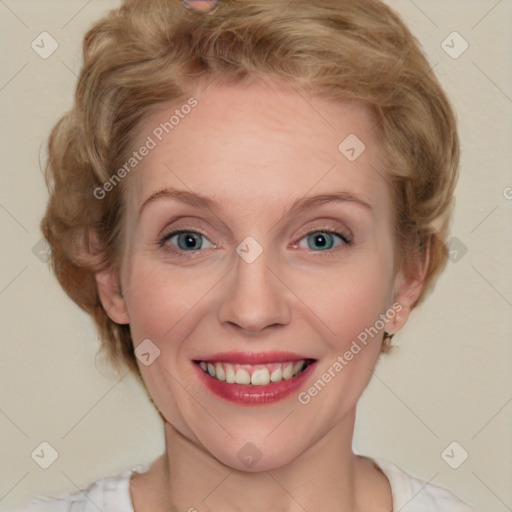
[149,52]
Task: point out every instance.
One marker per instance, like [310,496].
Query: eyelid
[331,251]
[330,226]
[179,225]
[333,227]
[166,236]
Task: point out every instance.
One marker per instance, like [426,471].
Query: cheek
[170,396]
[161,306]
[348,299]
[160,298]
[350,304]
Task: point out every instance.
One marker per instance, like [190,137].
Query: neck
[327,476]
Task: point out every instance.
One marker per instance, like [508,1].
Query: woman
[250,199]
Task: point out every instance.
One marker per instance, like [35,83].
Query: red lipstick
[254,379]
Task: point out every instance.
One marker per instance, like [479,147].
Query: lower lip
[255,395]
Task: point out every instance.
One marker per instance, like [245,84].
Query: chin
[253,457]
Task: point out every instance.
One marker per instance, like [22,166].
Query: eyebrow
[298,205]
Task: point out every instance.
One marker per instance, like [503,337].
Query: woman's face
[252,283]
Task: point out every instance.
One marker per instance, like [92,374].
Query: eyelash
[346,239]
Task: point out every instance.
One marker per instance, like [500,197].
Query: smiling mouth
[254,375]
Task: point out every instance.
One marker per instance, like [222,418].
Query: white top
[112,494]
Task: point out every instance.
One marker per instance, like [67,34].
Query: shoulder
[412,494]
[108,494]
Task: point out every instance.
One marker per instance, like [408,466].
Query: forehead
[244,143]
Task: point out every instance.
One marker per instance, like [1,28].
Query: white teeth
[221,375]
[260,377]
[230,373]
[277,375]
[242,377]
[297,367]
[288,371]
[256,375]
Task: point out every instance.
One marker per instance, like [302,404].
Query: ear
[108,284]
[109,291]
[409,283]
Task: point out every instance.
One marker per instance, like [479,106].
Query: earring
[388,336]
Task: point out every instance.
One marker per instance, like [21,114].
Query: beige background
[450,380]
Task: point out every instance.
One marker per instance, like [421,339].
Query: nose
[255,298]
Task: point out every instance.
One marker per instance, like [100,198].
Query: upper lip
[252,358]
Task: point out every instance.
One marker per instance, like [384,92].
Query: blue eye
[324,240]
[186,240]
[192,241]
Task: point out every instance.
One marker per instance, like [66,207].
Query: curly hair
[150,52]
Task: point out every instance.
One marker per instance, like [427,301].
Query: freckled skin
[255,150]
